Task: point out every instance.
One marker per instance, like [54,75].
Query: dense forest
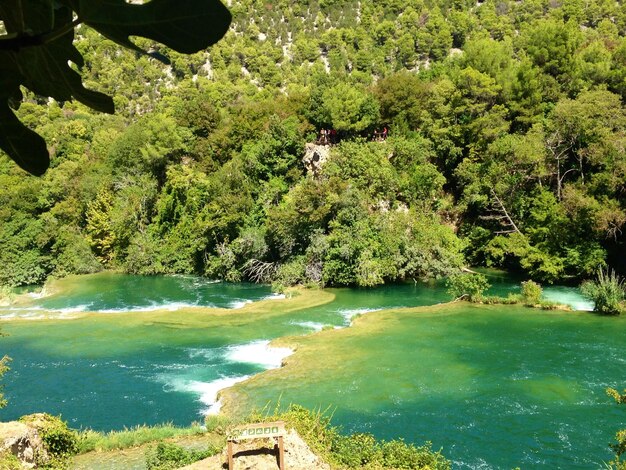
[506,148]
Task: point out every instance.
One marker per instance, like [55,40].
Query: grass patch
[90,440]
[167,456]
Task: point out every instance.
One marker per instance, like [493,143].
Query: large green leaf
[185,26]
[24,146]
[39,49]
[27,16]
[45,69]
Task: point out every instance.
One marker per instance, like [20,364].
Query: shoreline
[294,298]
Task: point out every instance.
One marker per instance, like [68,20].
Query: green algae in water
[496,387]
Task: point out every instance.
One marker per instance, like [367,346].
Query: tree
[3,369]
[467,286]
[38,48]
[351,109]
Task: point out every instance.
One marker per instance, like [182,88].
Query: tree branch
[505,214]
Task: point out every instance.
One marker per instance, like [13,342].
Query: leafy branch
[38,48]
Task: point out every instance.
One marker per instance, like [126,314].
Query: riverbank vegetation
[472,287]
[618,447]
[359,450]
[340,450]
[608,292]
[505,148]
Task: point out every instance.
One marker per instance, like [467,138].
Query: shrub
[356,450]
[399,454]
[217,424]
[469,286]
[6,294]
[531,293]
[620,447]
[166,456]
[59,441]
[292,272]
[607,292]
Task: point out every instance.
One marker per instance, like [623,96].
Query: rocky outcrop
[23,441]
[314,158]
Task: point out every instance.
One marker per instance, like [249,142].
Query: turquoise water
[495,386]
[108,372]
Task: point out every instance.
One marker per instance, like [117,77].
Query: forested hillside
[506,147]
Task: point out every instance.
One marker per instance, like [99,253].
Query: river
[494,386]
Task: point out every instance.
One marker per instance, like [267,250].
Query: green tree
[350,108]
[620,446]
[467,286]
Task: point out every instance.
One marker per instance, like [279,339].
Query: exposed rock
[23,441]
[314,157]
[259,455]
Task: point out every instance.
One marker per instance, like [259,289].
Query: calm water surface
[496,387]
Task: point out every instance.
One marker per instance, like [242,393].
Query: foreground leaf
[38,53]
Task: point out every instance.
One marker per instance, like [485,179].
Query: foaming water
[568,296]
[207,361]
[237,304]
[116,293]
[349,314]
[258,352]
[207,392]
[309,325]
[169,307]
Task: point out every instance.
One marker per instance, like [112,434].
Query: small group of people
[380,136]
[328,136]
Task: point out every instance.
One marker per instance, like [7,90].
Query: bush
[59,441]
[468,286]
[217,424]
[620,447]
[356,450]
[290,274]
[531,293]
[166,456]
[6,294]
[607,292]
[398,454]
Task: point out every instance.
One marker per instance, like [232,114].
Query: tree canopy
[506,147]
